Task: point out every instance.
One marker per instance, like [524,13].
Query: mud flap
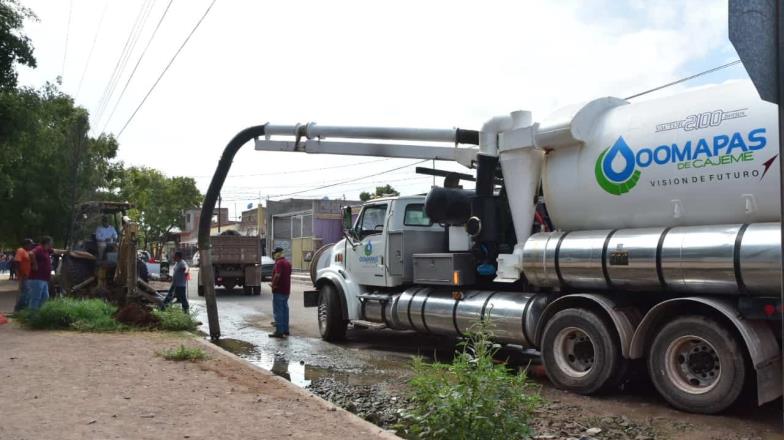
[311,298]
[769,380]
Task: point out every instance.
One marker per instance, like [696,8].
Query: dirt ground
[69,385]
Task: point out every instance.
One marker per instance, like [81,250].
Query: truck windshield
[372,220]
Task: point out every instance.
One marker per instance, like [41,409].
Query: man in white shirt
[104,234]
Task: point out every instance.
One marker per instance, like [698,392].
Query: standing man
[104,235]
[25,265]
[179,282]
[38,283]
[281,288]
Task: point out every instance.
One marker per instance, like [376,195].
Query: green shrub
[472,398]
[183,353]
[174,319]
[93,315]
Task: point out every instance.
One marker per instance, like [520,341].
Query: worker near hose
[179,283]
[105,234]
[281,288]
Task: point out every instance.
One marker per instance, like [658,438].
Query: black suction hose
[206,271]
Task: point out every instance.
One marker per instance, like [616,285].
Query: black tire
[200,290]
[332,326]
[581,352]
[74,271]
[247,290]
[257,290]
[697,365]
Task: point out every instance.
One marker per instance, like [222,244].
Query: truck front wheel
[580,351]
[332,326]
[697,365]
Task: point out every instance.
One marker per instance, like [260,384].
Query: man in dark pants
[281,288]
[179,282]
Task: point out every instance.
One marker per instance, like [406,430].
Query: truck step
[368,324]
[381,297]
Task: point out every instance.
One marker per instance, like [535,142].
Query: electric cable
[278,173]
[717,68]
[67,35]
[92,48]
[348,181]
[123,54]
[130,77]
[165,69]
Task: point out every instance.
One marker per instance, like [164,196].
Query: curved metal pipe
[206,271]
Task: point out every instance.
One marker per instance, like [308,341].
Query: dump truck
[236,262]
[608,236]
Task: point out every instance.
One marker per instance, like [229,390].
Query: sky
[438,64]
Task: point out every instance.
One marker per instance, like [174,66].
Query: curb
[328,406]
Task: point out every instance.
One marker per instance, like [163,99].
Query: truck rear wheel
[697,365]
[332,326]
[580,352]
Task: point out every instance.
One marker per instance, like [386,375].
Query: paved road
[368,357]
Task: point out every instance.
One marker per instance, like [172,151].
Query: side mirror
[347,218]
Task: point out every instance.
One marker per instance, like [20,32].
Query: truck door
[365,261]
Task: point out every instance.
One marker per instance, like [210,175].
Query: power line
[130,77]
[348,181]
[278,173]
[165,69]
[92,47]
[238,196]
[723,66]
[67,34]
[241,194]
[131,39]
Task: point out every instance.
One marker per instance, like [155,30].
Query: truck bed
[231,249]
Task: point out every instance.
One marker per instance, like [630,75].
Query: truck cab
[381,242]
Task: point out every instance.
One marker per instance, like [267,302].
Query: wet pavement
[367,373]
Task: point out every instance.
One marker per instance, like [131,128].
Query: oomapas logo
[608,176]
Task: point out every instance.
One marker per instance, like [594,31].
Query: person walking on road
[281,288]
[12,264]
[25,265]
[179,282]
[38,283]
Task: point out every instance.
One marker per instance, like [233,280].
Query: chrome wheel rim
[574,352]
[693,365]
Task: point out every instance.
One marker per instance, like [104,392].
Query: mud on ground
[563,416]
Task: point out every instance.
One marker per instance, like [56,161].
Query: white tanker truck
[605,233]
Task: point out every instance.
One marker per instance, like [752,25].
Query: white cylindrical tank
[703,157]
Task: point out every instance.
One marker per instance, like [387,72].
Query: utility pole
[756,29]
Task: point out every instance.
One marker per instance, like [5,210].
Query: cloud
[403,63]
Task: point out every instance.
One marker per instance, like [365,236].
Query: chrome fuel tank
[512,315]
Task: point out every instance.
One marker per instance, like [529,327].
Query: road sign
[752,25]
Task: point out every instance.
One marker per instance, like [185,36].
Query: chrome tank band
[512,315]
[716,259]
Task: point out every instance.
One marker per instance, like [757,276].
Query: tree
[15,47]
[381,191]
[49,163]
[159,201]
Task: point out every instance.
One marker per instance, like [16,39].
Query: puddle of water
[304,360]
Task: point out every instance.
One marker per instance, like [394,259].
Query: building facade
[302,226]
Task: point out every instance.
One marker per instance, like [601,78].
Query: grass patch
[174,319]
[183,353]
[474,397]
[93,315]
